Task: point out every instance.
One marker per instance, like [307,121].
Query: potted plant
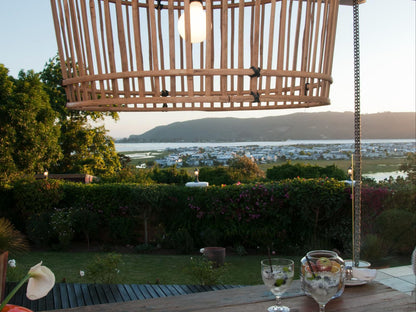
[11,240]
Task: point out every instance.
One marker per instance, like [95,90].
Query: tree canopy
[28,129]
[38,132]
[85,149]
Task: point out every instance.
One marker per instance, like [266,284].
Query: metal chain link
[357,138]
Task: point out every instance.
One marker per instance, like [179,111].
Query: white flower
[40,282]
[12,263]
[81,273]
[202,250]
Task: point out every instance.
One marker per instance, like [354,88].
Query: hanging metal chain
[357,138]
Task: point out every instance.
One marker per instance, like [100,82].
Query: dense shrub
[289,215]
[170,175]
[239,169]
[104,269]
[373,248]
[397,228]
[289,171]
[284,215]
[216,175]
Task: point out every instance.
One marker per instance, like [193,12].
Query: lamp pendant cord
[357,138]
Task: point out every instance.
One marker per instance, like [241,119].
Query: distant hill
[297,126]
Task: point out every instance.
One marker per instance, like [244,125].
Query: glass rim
[266,262]
[322,253]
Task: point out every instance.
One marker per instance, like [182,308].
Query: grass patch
[145,269]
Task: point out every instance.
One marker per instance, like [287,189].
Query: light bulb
[198,23]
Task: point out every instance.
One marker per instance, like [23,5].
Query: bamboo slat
[255,45]
[122,45]
[172,49]
[126,55]
[224,44]
[209,57]
[188,46]
[138,46]
[110,45]
[90,62]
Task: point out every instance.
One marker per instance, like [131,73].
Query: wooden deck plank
[56,297]
[41,304]
[72,297]
[180,289]
[138,292]
[116,293]
[187,289]
[373,297]
[123,292]
[144,291]
[50,303]
[94,294]
[108,293]
[161,290]
[86,294]
[100,293]
[66,295]
[151,291]
[130,292]
[173,290]
[79,295]
[193,288]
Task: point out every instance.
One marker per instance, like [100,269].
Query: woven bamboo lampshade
[128,55]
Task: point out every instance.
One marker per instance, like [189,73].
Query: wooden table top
[373,297]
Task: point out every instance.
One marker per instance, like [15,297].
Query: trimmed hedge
[288,216]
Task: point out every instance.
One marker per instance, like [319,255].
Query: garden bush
[291,215]
[104,269]
[289,171]
[397,228]
[373,248]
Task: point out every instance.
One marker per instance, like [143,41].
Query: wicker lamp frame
[127,55]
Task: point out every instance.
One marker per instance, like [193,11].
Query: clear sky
[387,37]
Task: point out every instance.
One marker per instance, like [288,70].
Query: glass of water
[322,282]
[277,275]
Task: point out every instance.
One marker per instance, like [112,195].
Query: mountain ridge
[296,126]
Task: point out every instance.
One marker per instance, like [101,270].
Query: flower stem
[13,292]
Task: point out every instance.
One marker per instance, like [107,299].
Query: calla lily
[40,282]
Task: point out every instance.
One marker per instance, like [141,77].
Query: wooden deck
[64,296]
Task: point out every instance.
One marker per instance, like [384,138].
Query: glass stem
[322,308]
[278,301]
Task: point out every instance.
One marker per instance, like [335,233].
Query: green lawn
[145,269]
[152,269]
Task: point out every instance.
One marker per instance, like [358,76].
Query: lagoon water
[380,176]
[157,146]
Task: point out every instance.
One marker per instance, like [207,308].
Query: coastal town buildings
[221,155]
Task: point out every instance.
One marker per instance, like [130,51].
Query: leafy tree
[245,169]
[28,130]
[409,166]
[7,132]
[85,149]
[216,175]
[170,175]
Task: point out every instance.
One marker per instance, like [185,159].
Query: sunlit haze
[387,38]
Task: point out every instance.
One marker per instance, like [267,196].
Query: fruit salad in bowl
[314,265]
